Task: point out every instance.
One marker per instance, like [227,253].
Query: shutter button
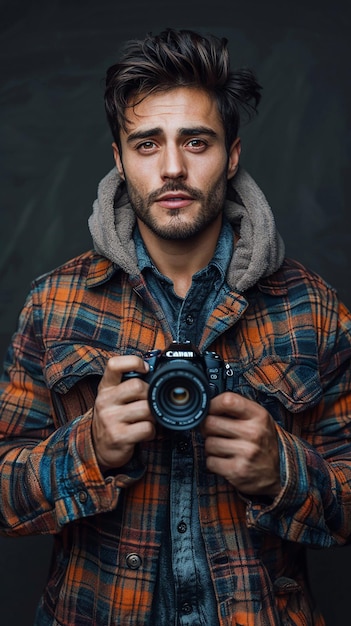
[133,560]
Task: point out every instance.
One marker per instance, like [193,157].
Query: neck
[180,259]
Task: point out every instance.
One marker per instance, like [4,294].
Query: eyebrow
[182,132]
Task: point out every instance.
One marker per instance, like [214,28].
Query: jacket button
[133,560]
[189,319]
[83,496]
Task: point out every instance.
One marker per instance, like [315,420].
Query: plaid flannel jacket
[288,341]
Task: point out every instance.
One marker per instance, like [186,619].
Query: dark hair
[180,58]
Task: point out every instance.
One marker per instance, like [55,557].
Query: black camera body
[182,382]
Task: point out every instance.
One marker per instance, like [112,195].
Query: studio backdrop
[56,146]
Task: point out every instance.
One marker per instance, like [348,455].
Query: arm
[297,485]
[314,505]
[49,475]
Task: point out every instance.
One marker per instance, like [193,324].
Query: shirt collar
[220,260]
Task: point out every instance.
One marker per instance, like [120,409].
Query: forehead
[175,108]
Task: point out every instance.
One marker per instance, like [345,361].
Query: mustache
[175,186]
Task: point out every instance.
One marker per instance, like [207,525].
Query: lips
[175,194]
[174,200]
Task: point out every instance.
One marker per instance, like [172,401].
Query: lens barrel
[179,394]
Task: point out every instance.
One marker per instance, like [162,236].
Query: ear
[234,156]
[118,160]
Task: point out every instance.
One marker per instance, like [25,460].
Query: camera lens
[179,395]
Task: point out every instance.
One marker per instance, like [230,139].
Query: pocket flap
[66,363]
[296,384]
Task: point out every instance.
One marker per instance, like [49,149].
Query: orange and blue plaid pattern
[288,342]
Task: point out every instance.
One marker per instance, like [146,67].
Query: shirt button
[183,446]
[187,608]
[182,527]
[83,496]
[133,560]
[189,319]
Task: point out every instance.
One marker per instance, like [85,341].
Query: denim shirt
[184,594]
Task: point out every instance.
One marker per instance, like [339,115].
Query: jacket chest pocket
[73,372]
[295,383]
[285,387]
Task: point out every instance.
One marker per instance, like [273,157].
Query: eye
[197,144]
[146,146]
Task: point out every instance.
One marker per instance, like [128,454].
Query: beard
[177,227]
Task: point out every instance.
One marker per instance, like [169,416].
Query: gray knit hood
[258,253]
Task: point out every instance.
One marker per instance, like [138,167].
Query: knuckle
[228,400]
[113,364]
[137,385]
[98,406]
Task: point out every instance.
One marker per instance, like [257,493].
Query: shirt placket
[182,539]
[191,589]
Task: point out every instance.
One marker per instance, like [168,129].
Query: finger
[119,365]
[123,403]
[250,474]
[219,426]
[258,430]
[238,474]
[225,447]
[235,405]
[229,427]
[129,391]
[143,430]
[115,448]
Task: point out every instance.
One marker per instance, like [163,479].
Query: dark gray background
[55,147]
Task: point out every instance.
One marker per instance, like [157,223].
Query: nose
[173,163]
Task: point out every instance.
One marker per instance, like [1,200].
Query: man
[154,524]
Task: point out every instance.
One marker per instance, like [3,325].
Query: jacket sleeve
[49,475]
[314,505]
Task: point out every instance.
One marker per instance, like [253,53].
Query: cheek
[210,171]
[136,188]
[139,176]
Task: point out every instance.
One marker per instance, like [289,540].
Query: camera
[182,382]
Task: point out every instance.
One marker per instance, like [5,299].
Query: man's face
[175,163]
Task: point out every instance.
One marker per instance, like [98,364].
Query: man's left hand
[241,444]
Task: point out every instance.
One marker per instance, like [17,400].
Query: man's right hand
[121,417]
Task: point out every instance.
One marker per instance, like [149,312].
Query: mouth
[174,200]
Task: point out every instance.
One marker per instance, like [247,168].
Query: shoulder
[306,295]
[293,277]
[76,266]
[83,271]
